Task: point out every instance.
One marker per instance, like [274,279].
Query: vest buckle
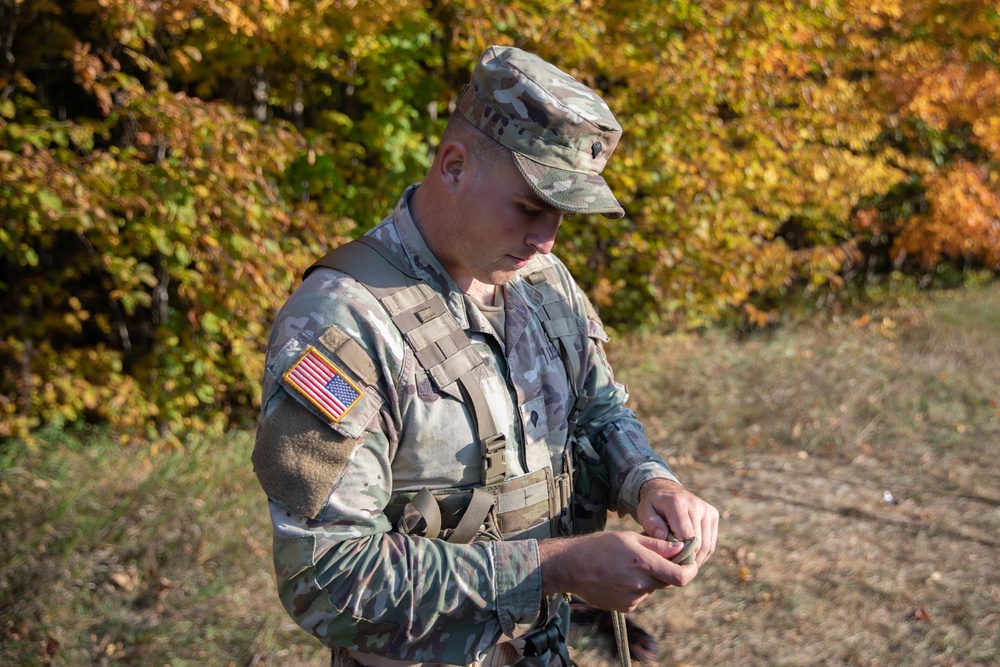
[494,467]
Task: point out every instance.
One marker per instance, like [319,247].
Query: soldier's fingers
[654,524]
[661,547]
[710,534]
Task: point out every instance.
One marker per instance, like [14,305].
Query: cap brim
[569,190]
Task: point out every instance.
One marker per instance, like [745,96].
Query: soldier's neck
[482,293]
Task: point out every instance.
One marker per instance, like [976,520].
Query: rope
[687,555]
[621,638]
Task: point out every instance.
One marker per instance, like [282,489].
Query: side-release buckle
[494,468]
[564,499]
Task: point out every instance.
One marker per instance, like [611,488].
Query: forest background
[168,168]
[796,171]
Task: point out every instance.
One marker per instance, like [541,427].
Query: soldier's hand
[612,570]
[666,506]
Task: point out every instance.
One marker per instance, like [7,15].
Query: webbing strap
[440,345]
[358,261]
[521,498]
[473,517]
[456,364]
[461,515]
[427,332]
[558,320]
[424,503]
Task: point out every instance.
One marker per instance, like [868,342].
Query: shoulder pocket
[595,328]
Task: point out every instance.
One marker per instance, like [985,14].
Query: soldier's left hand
[666,506]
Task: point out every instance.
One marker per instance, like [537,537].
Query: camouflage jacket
[343,574]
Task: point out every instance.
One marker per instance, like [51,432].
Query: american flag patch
[326,387]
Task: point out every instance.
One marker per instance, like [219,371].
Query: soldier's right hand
[612,570]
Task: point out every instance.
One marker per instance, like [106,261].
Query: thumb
[663,548]
[654,525]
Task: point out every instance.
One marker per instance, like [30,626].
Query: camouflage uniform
[343,573]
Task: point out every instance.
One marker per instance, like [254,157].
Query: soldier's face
[501,224]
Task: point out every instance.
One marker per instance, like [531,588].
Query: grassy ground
[855,464]
[134,557]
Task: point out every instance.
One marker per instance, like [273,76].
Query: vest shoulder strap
[437,339]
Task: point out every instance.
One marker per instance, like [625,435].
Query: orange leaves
[185,57]
[954,91]
[875,14]
[963,221]
[91,75]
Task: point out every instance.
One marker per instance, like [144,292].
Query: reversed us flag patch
[323,384]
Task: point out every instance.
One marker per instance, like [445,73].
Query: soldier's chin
[500,277]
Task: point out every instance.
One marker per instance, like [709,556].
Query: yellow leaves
[209,241]
[938,88]
[185,56]
[90,73]
[877,14]
[987,130]
[770,175]
[235,16]
[777,60]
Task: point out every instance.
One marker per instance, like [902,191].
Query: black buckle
[547,643]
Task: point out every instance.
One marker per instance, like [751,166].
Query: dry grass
[797,436]
[126,557]
[133,557]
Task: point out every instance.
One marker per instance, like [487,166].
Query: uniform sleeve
[342,574]
[346,579]
[613,429]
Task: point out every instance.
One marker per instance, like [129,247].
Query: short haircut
[483,147]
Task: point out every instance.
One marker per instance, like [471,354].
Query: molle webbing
[558,320]
[438,341]
[531,505]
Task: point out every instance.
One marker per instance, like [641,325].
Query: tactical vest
[538,504]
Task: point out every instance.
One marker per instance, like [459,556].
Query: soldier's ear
[453,164]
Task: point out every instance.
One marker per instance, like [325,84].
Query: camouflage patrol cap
[560,131]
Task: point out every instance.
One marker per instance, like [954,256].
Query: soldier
[441,436]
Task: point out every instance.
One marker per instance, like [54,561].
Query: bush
[167,171]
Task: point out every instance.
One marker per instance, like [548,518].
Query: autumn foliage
[168,168]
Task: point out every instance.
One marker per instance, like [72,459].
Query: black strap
[546,647]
